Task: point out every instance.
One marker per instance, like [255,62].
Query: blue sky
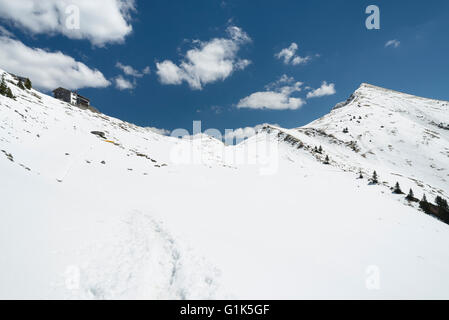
[333,46]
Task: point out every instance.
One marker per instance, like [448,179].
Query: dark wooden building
[71,97]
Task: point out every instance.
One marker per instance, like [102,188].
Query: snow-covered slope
[404,137]
[128,213]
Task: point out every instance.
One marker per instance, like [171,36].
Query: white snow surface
[129,216]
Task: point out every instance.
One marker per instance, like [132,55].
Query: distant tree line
[22,84]
[439,210]
[25,85]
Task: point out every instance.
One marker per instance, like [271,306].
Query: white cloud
[241,134]
[48,70]
[283,80]
[300,60]
[278,96]
[5,32]
[289,55]
[130,71]
[169,73]
[100,21]
[208,62]
[216,109]
[163,132]
[325,90]
[270,100]
[123,84]
[393,43]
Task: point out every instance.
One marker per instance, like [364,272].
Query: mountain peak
[373,95]
[370,87]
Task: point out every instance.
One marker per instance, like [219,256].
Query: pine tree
[9,93]
[397,188]
[442,203]
[360,174]
[327,160]
[28,84]
[320,149]
[374,179]
[424,205]
[3,86]
[20,84]
[424,198]
[410,195]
